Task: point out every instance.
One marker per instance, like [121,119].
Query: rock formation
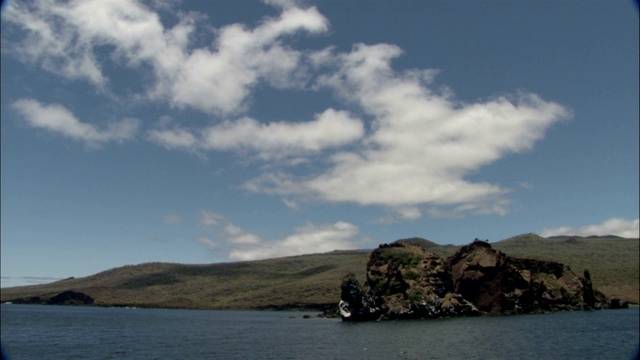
[406,281]
[71,298]
[68,297]
[355,304]
[501,284]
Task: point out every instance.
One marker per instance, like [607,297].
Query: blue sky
[200,132]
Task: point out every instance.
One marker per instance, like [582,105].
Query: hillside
[313,281]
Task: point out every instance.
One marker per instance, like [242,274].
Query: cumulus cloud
[412,145]
[310,238]
[57,119]
[331,128]
[422,144]
[64,37]
[615,226]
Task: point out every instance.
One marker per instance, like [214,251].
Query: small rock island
[405,281]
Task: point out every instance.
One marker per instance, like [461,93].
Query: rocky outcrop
[500,284]
[403,281]
[71,298]
[356,304]
[406,281]
[68,297]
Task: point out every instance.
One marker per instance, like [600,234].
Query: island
[405,281]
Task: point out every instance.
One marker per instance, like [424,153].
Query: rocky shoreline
[405,281]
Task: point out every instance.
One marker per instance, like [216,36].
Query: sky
[213,131]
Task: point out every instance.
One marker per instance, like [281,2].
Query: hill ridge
[313,280]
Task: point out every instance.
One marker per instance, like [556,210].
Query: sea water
[67,332]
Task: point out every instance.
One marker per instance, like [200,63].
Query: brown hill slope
[313,281]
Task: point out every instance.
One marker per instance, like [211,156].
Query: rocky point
[405,281]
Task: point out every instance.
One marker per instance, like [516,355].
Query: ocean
[67,332]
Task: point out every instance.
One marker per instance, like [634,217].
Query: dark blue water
[57,332]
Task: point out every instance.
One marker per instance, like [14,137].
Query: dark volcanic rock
[409,282]
[29,300]
[68,297]
[403,281]
[616,303]
[71,298]
[500,284]
[406,281]
[355,304]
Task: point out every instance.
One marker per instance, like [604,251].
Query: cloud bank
[615,226]
[422,143]
[65,37]
[411,146]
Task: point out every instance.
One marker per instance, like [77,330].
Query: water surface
[59,332]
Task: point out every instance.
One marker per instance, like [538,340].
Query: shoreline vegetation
[312,282]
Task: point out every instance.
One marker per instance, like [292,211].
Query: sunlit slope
[300,281]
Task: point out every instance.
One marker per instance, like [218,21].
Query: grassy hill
[313,281]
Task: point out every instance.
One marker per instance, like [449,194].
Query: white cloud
[227,231]
[419,147]
[236,235]
[63,37]
[331,128]
[615,226]
[58,119]
[50,43]
[307,239]
[422,144]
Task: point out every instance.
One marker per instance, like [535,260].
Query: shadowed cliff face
[406,281]
[500,284]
